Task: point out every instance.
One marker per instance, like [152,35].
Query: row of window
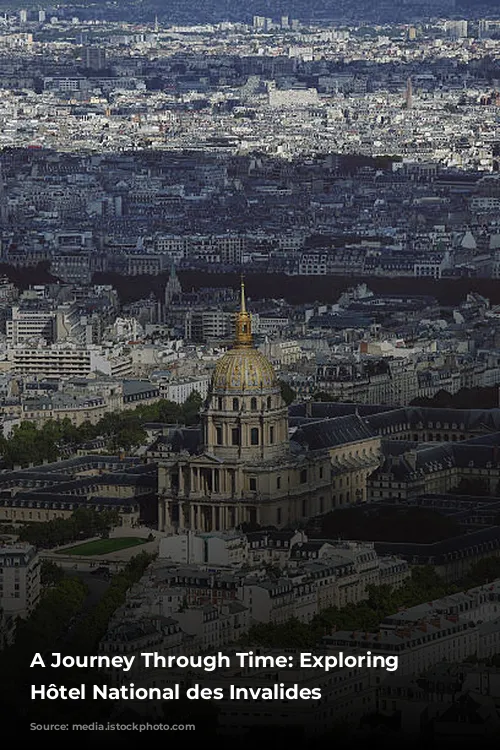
[236,403]
[236,436]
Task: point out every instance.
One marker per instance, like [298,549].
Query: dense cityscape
[250,360]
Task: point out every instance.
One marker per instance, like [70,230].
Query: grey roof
[443,550]
[328,433]
[135,387]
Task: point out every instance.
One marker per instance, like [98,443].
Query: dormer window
[253,404]
[236,404]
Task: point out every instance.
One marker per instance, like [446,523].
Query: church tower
[173,288]
[245,417]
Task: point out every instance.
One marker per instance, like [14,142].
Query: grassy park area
[103,546]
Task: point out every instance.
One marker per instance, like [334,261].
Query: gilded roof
[244,369]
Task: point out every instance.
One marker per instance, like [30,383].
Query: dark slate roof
[427,457]
[136,387]
[181,439]
[312,546]
[46,499]
[380,420]
[92,461]
[187,439]
[473,419]
[324,409]
[328,433]
[441,550]
[379,416]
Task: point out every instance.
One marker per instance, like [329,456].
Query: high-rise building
[94,58]
[409,94]
[457,29]
[41,16]
[4,207]
[23,16]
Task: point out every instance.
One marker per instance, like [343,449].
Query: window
[253,404]
[269,402]
[254,436]
[235,436]
[303,476]
[271,435]
[278,483]
[218,431]
[253,484]
[278,516]
[219,404]
[321,472]
[236,404]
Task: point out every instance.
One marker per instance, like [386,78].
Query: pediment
[206,458]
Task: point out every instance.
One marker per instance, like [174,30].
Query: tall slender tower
[409,94]
[4,209]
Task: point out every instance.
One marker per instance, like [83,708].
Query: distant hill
[212,11]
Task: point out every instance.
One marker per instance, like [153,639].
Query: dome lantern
[243,323]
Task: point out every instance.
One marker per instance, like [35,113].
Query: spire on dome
[243,322]
[243,307]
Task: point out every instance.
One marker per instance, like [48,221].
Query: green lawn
[103,546]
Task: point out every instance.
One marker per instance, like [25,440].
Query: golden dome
[243,368]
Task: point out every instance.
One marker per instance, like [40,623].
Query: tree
[287,393]
[83,523]
[191,408]
[51,573]
[324,396]
[484,571]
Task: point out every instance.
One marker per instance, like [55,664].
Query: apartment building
[450,629]
[20,582]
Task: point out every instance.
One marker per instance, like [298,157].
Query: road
[97,588]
